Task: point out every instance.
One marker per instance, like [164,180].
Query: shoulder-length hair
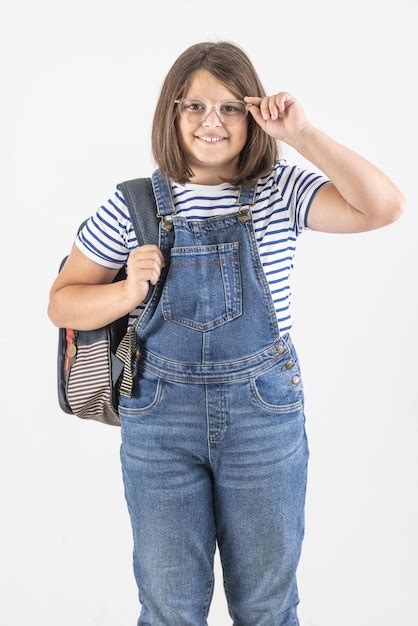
[230,65]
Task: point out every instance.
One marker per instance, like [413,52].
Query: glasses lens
[233,112]
[230,112]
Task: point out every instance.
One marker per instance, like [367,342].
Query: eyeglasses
[228,111]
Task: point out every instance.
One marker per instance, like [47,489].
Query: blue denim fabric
[214,446]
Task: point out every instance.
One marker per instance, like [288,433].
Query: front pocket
[147,391]
[203,286]
[278,389]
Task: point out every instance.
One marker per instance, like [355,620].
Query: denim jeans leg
[169,492]
[260,474]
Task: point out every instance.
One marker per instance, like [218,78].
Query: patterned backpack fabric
[94,366]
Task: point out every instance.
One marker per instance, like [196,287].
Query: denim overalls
[214,446]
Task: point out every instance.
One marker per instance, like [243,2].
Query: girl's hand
[281,115]
[144,266]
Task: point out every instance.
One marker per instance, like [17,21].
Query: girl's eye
[193,104]
[229,108]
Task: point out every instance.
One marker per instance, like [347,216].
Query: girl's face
[210,161]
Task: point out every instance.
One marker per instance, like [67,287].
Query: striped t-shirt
[282,202]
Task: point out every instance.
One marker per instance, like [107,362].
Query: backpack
[95,366]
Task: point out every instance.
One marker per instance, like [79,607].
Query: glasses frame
[210,105]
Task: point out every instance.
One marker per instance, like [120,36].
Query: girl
[214,447]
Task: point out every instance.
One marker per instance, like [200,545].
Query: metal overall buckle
[165,223]
[244,212]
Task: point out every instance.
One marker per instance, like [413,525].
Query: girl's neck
[202,186]
[212,175]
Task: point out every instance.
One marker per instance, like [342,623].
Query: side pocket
[278,388]
[147,392]
[88,383]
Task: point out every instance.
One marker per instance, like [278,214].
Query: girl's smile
[210,139]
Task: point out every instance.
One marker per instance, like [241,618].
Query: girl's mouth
[211,141]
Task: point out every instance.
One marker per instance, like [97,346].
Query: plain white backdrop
[79,83]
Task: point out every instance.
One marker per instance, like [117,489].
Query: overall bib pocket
[203,286]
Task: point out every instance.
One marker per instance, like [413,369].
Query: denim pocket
[279,388]
[203,286]
[147,392]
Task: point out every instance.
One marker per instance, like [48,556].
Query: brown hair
[231,66]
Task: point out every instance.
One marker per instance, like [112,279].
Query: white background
[80,82]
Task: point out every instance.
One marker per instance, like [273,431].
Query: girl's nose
[212,118]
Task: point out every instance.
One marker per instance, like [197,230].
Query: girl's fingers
[255,112]
[269,107]
[262,103]
[272,107]
[280,105]
[253,99]
[266,108]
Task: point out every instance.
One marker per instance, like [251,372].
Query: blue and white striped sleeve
[105,236]
[299,187]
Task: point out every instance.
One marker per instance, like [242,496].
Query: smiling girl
[214,446]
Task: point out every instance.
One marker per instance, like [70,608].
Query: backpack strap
[140,199]
[139,196]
